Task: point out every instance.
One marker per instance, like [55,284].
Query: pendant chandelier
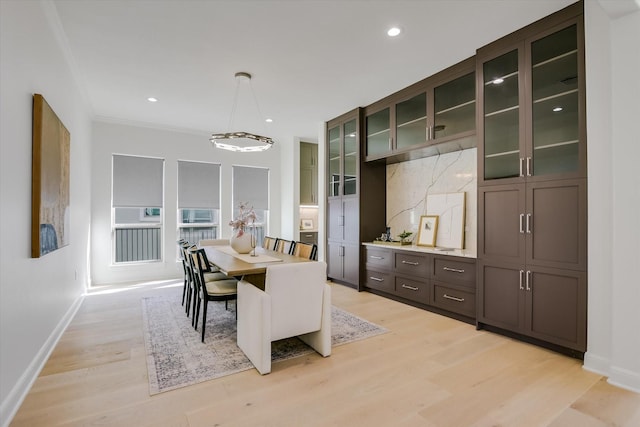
[245,142]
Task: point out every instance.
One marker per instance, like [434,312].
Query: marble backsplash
[409,183]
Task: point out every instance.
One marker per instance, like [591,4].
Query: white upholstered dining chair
[296,301]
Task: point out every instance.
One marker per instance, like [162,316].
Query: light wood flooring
[429,370]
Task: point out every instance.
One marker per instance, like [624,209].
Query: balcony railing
[135,243]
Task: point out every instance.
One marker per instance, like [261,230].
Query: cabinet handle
[341,221]
[411,288]
[528,166]
[453,298]
[521,168]
[528,280]
[528,223]
[455,270]
[521,280]
[410,263]
[521,223]
[376,257]
[341,251]
[377,279]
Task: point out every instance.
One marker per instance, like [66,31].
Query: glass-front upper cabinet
[378,130]
[342,137]
[532,120]
[334,160]
[501,82]
[411,121]
[554,90]
[454,107]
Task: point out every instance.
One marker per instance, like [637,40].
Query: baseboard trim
[596,364]
[625,379]
[16,396]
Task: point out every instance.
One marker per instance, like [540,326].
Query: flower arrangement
[246,215]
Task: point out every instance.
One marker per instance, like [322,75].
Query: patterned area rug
[177,358]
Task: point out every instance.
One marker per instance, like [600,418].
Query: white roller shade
[198,185]
[137,182]
[251,185]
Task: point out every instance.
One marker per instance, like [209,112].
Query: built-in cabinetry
[310,237]
[308,173]
[419,120]
[441,283]
[352,189]
[532,182]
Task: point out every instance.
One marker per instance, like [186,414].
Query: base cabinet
[442,283]
[548,304]
[343,262]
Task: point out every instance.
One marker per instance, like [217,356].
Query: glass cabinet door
[411,121]
[378,133]
[350,157]
[501,117]
[455,106]
[334,161]
[554,88]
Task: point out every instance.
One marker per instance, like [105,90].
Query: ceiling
[310,60]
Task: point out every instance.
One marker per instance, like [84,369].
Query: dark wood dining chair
[305,250]
[213,290]
[183,244]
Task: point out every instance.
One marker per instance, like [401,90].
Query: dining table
[251,267]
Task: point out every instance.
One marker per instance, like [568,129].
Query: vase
[241,244]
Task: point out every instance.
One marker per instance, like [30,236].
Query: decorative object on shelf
[404,236]
[427,230]
[242,141]
[307,224]
[241,241]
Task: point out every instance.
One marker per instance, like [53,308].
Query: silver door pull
[521,223]
[529,277]
[411,288]
[377,279]
[410,263]
[455,270]
[453,298]
[522,280]
[375,257]
[529,223]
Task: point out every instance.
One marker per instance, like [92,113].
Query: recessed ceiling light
[393,31]
[152,99]
[269,120]
[497,81]
[556,109]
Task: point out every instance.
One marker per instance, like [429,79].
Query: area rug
[176,357]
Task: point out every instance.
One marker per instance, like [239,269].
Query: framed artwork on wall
[49,180]
[427,230]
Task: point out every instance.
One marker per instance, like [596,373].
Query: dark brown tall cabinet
[532,186]
[355,205]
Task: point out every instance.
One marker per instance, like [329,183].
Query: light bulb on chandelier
[241,141]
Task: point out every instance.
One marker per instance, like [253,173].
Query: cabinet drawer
[379,280]
[454,271]
[413,265]
[380,258]
[455,300]
[309,237]
[412,289]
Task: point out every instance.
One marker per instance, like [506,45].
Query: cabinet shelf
[557,95]
[504,110]
[456,107]
[380,132]
[410,122]
[555,58]
[503,153]
[557,144]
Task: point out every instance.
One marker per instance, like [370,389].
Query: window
[198,201]
[137,214]
[251,186]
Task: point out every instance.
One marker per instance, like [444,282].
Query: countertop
[465,253]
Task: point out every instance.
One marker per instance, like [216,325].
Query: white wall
[171,145]
[39,296]
[613,66]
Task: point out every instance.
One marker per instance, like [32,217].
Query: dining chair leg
[184,290]
[196,313]
[204,316]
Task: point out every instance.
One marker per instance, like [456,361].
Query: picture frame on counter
[427,230]
[306,224]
